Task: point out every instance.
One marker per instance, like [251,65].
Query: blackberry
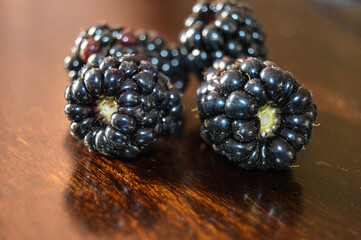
[219,65]
[255,114]
[100,41]
[220,28]
[121,106]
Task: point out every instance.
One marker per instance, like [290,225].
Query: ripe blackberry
[100,41]
[219,65]
[121,106]
[255,114]
[220,28]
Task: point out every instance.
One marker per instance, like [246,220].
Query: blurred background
[36,36]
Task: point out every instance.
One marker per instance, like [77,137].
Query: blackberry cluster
[121,106]
[254,113]
[125,89]
[100,41]
[220,28]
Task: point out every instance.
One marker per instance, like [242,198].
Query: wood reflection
[164,194]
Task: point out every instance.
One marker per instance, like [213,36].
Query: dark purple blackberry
[121,106]
[100,41]
[219,65]
[220,28]
[255,114]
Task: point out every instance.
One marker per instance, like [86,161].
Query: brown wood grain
[53,188]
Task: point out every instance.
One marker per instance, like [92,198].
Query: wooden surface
[52,188]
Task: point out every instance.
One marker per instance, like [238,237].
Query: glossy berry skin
[220,28]
[254,113]
[121,106]
[100,41]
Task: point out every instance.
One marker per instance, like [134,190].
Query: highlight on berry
[254,113]
[220,28]
[100,41]
[121,106]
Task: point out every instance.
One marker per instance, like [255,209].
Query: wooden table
[53,188]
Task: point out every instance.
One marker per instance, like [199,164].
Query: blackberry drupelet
[220,28]
[255,114]
[100,41]
[219,65]
[121,106]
